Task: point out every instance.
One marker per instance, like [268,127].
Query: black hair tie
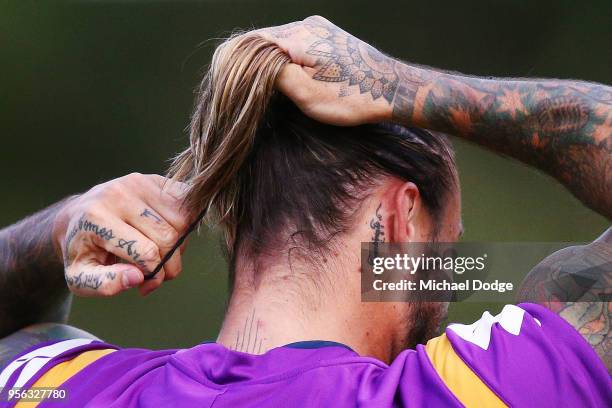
[176,246]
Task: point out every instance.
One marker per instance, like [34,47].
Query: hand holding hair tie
[115,234]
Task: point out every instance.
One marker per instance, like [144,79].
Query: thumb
[102,280]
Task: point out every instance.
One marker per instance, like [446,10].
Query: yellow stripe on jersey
[62,372]
[458,377]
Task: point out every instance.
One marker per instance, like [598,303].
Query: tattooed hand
[563,127]
[116,231]
[335,77]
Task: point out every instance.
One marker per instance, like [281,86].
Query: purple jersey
[524,356]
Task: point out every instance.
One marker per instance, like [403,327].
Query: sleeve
[48,365]
[524,356]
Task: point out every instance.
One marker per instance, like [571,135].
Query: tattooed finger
[101,236]
[158,230]
[99,280]
[84,226]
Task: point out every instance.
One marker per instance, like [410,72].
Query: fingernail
[131,278]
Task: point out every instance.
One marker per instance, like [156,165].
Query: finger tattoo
[150,214]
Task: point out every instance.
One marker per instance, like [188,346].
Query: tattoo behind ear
[378,233]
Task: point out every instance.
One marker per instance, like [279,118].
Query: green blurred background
[94,90]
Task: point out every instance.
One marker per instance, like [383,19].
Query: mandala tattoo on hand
[345,58]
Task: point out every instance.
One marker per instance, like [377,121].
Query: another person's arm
[563,127]
[576,283]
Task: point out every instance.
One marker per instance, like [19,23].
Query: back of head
[273,178]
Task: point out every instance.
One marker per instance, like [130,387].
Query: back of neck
[289,307]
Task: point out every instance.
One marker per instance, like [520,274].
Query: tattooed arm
[32,286]
[95,244]
[576,283]
[563,127]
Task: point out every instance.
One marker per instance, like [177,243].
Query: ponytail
[270,177]
[232,100]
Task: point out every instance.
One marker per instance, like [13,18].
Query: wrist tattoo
[345,59]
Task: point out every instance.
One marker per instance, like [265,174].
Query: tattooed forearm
[562,127]
[32,287]
[249,340]
[576,283]
[592,320]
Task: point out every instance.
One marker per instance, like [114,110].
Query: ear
[406,208]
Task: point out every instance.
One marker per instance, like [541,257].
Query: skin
[284,307]
[574,282]
[561,127]
[96,244]
[119,230]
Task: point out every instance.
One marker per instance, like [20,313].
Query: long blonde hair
[269,175]
[231,102]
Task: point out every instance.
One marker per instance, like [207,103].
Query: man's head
[295,197]
[306,186]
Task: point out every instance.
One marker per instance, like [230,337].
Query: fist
[118,231]
[334,77]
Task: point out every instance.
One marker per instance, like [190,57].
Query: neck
[292,307]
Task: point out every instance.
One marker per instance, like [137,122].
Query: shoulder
[51,363]
[31,336]
[527,355]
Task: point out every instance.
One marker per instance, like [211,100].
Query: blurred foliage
[93,90]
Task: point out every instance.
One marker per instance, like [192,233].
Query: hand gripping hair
[273,178]
[231,101]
